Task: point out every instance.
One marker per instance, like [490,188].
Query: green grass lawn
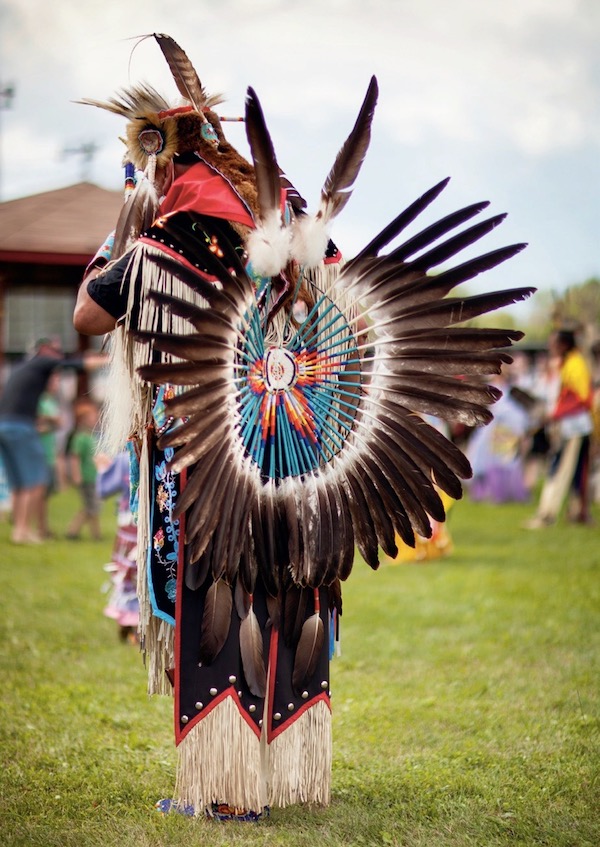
[466,701]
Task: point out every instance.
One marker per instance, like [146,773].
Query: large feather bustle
[381,482]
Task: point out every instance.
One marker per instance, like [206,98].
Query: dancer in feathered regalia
[274,396]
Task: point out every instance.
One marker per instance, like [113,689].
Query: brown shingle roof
[68,224]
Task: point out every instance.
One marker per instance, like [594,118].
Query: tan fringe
[160,655]
[299,760]
[156,635]
[143,534]
[219,761]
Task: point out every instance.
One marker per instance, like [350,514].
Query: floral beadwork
[165,540]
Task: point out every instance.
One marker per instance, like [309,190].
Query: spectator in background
[571,417]
[48,423]
[497,451]
[21,447]
[20,443]
[82,470]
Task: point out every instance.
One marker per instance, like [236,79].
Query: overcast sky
[503,96]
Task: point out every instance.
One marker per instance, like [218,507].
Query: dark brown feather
[453,310]
[308,651]
[346,559]
[191,347]
[406,380]
[274,610]
[413,488]
[335,596]
[242,599]
[445,363]
[185,77]
[443,406]
[268,180]
[239,529]
[251,649]
[205,519]
[433,463]
[135,217]
[342,176]
[294,613]
[364,528]
[455,340]
[263,540]
[447,248]
[403,287]
[200,445]
[198,400]
[389,471]
[196,572]
[199,480]
[184,373]
[216,620]
[293,533]
[389,232]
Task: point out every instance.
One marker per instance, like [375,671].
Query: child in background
[122,604]
[82,470]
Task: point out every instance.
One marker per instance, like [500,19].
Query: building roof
[65,226]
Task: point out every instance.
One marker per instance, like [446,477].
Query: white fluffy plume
[269,245]
[309,240]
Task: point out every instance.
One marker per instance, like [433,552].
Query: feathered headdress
[158,131]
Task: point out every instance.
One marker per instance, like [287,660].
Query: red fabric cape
[201,189]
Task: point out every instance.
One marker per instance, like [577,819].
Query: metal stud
[277,716]
[305,695]
[290,707]
[199,705]
[324,684]
[260,722]
[252,708]
[184,719]
[232,679]
[212,692]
